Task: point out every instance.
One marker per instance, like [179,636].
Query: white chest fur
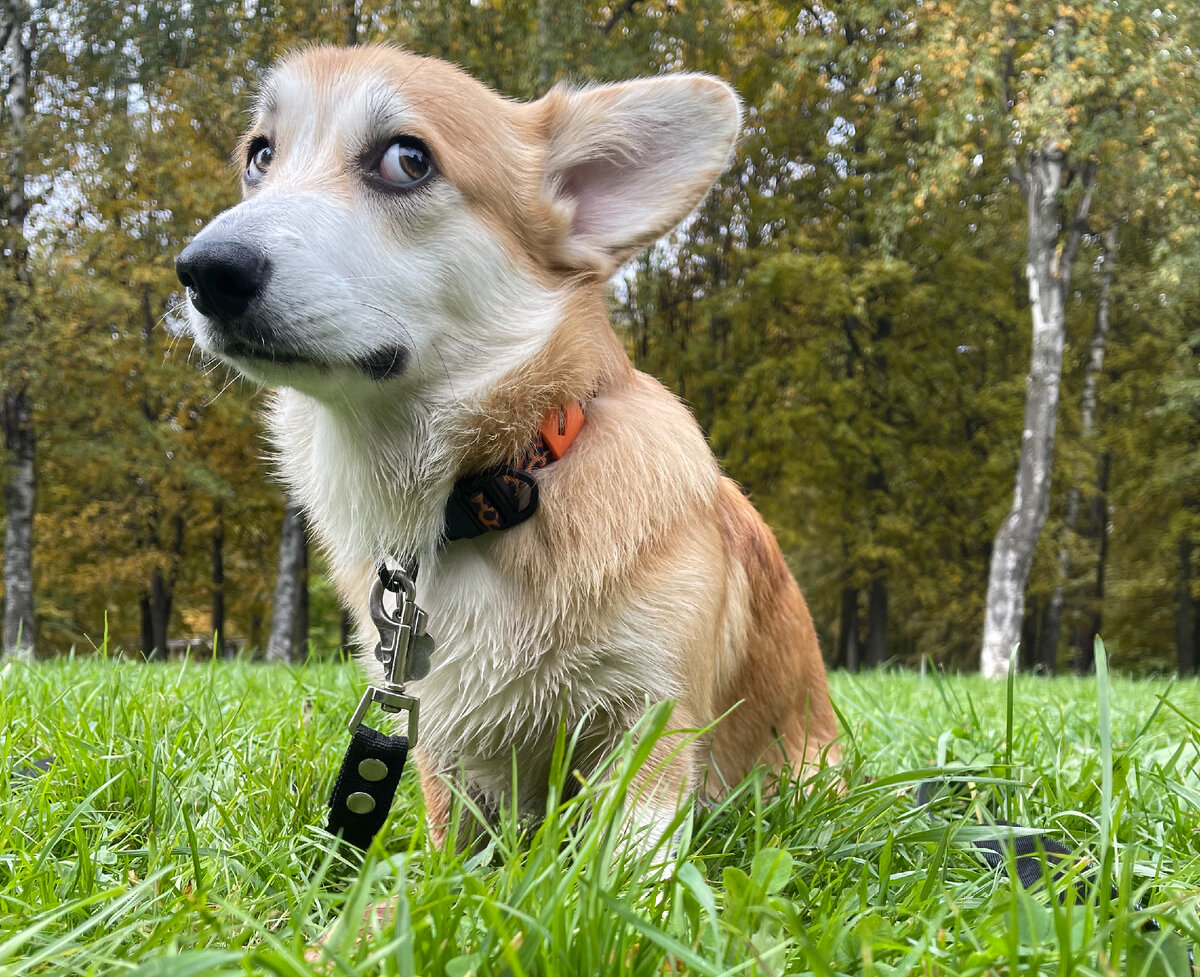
[509,669]
[591,622]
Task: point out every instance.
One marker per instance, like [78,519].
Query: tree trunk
[160,614]
[848,653]
[254,634]
[1052,624]
[300,637]
[16,404]
[156,609]
[1085,660]
[350,22]
[544,14]
[19,500]
[218,589]
[281,645]
[877,623]
[1185,610]
[147,627]
[1030,623]
[1195,632]
[1049,272]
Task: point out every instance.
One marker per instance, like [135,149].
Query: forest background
[931,201]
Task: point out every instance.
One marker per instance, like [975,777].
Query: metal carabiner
[398,631]
[400,579]
[404,647]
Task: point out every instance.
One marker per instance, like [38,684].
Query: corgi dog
[418,272]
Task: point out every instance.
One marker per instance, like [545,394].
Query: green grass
[177,833]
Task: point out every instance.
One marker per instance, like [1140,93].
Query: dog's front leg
[665,781]
[437,799]
[439,787]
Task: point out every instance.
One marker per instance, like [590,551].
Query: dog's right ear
[625,163]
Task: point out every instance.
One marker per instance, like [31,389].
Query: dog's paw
[375,918]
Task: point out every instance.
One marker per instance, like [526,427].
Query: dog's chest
[508,669]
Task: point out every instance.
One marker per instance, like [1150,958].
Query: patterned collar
[505,496]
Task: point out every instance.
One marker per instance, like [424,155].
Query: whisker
[449,378]
[232,380]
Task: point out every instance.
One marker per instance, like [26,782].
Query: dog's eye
[261,155]
[405,162]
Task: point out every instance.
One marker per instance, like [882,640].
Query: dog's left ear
[625,163]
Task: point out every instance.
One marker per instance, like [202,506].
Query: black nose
[222,277]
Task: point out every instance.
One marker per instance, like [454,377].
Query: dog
[418,272]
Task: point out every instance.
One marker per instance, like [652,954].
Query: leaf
[191,963]
[738,891]
[1161,954]
[688,876]
[464,965]
[771,869]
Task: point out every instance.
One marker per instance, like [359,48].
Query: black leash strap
[370,772]
[366,785]
[1029,854]
[1036,860]
[1029,851]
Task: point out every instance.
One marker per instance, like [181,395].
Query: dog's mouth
[264,354]
[226,282]
[385,363]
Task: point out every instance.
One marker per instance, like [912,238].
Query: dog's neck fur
[391,462]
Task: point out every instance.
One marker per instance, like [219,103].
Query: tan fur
[645,573]
[781,678]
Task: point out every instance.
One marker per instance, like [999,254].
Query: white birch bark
[1087,424]
[1048,271]
[16,407]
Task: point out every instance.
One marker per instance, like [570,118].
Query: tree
[289,624]
[1052,621]
[138,174]
[18,39]
[1074,98]
[848,314]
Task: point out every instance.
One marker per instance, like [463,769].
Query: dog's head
[403,224]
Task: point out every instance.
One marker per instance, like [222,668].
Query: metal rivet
[360,803]
[372,769]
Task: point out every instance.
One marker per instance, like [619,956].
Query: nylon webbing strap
[490,501]
[1029,853]
[366,785]
[1037,860]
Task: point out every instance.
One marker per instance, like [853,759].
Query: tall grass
[177,832]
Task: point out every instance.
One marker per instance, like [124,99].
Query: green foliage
[177,832]
[846,313]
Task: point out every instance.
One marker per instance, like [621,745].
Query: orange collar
[560,427]
[507,495]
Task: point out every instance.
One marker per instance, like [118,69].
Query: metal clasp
[404,649]
[389,701]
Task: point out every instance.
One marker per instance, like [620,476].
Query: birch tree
[1078,99]
[18,34]
[1052,622]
